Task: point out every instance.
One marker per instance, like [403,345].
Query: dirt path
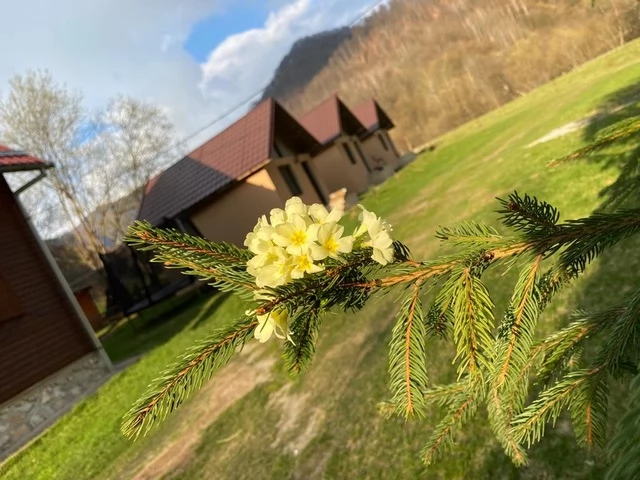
[229,385]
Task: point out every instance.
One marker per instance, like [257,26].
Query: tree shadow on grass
[615,275]
[210,308]
[617,110]
[127,342]
[608,281]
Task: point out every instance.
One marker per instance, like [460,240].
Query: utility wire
[248,99]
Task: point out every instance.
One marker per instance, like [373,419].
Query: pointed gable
[372,116]
[239,150]
[330,119]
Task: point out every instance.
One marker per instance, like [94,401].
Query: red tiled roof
[14,161]
[237,151]
[372,116]
[330,119]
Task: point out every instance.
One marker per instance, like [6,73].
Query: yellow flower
[277,216]
[269,256]
[381,243]
[295,207]
[275,273]
[379,233]
[303,264]
[273,323]
[331,242]
[258,240]
[295,236]
[366,218]
[320,215]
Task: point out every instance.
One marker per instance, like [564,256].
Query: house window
[349,153]
[364,159]
[11,308]
[290,178]
[383,141]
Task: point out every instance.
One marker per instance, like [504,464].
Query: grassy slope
[325,423]
[460,180]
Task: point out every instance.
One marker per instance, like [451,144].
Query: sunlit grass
[325,424]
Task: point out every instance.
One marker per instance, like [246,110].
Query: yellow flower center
[299,238]
[272,257]
[331,245]
[304,262]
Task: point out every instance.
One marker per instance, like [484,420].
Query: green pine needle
[589,411]
[529,426]
[508,388]
[624,448]
[473,325]
[221,264]
[184,377]
[408,358]
[462,406]
[299,351]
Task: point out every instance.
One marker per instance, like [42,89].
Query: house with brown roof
[49,354]
[342,163]
[221,188]
[376,141]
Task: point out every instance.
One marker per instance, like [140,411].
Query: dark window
[290,178]
[383,141]
[314,181]
[364,159]
[11,308]
[349,153]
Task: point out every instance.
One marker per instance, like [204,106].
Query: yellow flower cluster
[298,240]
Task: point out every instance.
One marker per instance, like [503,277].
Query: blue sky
[213,30]
[196,59]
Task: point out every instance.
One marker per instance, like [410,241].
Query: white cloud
[109,47]
[245,62]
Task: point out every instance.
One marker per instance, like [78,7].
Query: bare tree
[133,140]
[102,161]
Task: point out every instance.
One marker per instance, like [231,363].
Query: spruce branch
[529,426]
[407,358]
[493,367]
[444,394]
[586,238]
[624,448]
[439,319]
[518,328]
[514,343]
[589,411]
[184,377]
[474,234]
[221,264]
[619,131]
[462,406]
[473,313]
[299,352]
[560,346]
[622,349]
[528,214]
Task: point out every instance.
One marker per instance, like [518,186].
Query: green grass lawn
[325,424]
[154,326]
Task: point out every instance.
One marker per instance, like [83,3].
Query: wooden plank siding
[39,330]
